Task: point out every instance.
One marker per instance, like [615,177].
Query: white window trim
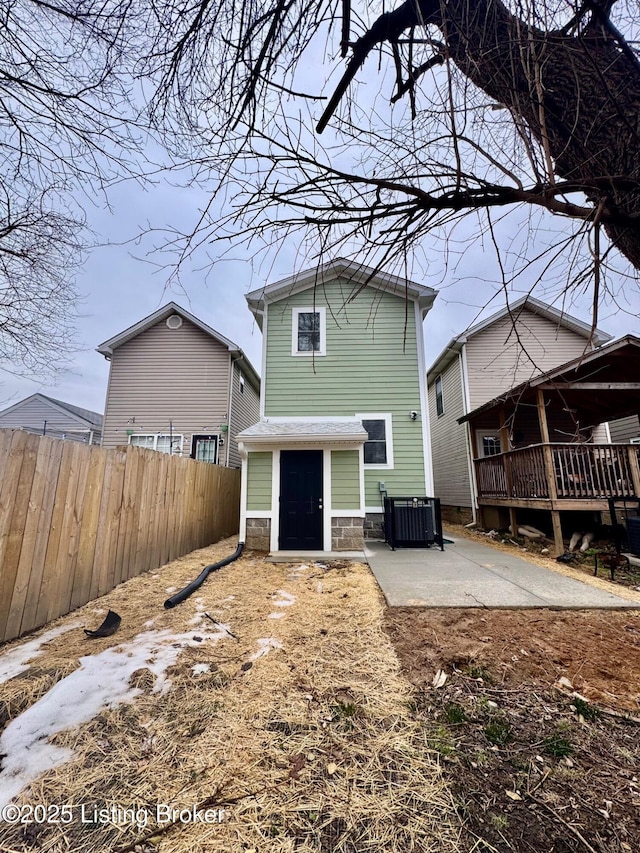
[177,438]
[386,417]
[322,312]
[481,434]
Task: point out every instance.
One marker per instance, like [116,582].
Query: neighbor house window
[439,397]
[241,384]
[491,445]
[378,448]
[204,448]
[309,331]
[162,442]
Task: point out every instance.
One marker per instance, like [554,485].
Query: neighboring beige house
[178,386]
[45,416]
[510,347]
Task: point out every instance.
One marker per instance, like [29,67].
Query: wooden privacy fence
[75,521]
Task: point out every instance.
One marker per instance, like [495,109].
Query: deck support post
[513,521]
[634,468]
[550,473]
[558,542]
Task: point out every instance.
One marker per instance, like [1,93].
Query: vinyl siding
[32,414]
[371,366]
[623,430]
[259,481]
[498,359]
[245,411]
[345,479]
[162,376]
[449,440]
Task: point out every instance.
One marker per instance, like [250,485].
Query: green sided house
[343,408]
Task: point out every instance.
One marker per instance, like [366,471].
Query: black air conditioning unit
[633,535]
[413,523]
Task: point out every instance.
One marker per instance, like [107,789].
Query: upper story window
[163,443]
[378,448]
[241,384]
[309,331]
[439,397]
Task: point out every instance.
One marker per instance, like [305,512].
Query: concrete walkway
[470,574]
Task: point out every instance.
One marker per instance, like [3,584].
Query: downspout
[179,597]
[229,410]
[470,449]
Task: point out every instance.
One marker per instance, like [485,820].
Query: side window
[241,384]
[162,442]
[378,448]
[375,448]
[488,442]
[439,397]
[491,445]
[309,331]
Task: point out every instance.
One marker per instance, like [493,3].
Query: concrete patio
[470,574]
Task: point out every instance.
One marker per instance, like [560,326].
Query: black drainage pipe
[179,597]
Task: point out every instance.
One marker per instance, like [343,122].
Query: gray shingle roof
[347,428]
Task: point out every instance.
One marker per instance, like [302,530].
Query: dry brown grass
[313,747]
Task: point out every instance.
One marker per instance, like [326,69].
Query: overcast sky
[122,284]
[121,287]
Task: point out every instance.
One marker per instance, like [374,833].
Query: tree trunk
[578,94]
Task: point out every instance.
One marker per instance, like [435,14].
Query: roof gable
[86,416]
[513,311]
[596,366]
[106,349]
[167,310]
[357,273]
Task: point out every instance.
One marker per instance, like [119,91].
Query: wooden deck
[560,476]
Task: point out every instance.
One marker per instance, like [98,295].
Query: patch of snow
[201,668]
[150,622]
[285,599]
[277,615]
[171,589]
[102,681]
[14,660]
[265,646]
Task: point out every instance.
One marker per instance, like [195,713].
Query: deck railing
[587,471]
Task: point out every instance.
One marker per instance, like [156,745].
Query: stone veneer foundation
[346,534]
[258,536]
[374,526]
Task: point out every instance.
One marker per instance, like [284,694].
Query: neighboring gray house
[625,430]
[45,416]
[178,386]
[510,347]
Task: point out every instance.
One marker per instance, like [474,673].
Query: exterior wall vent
[174,321]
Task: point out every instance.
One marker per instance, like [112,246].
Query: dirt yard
[284,709]
[536,716]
